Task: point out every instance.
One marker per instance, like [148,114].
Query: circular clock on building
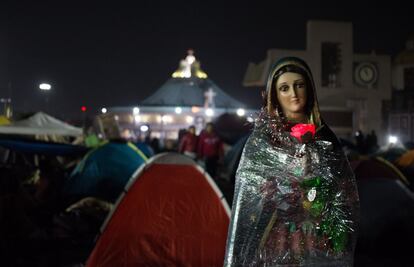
[366,73]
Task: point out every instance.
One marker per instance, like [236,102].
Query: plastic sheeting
[171,216]
[295,203]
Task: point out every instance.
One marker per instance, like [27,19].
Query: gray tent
[41,124]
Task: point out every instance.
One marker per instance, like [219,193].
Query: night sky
[111,55]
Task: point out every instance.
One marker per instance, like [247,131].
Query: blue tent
[145,148]
[104,171]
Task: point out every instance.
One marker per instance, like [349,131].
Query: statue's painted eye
[300,85]
[284,88]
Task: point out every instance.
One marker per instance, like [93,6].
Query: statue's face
[291,93]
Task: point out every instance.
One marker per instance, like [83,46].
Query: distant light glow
[209,112]
[159,118]
[189,119]
[137,118]
[166,119]
[190,59]
[144,128]
[188,68]
[241,112]
[178,110]
[135,110]
[116,117]
[195,109]
[392,139]
[250,119]
[83,108]
[45,86]
[104,110]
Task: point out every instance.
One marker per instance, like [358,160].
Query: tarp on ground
[104,171]
[171,214]
[377,167]
[41,124]
[43,148]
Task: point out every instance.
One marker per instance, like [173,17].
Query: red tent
[171,214]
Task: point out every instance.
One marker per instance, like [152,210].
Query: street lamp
[45,86]
[392,139]
[209,112]
[135,110]
[240,112]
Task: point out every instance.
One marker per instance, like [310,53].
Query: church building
[189,97]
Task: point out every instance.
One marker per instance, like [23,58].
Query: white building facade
[351,87]
[401,118]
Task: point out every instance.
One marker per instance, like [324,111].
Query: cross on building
[209,98]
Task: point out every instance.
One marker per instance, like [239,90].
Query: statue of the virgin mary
[296,201]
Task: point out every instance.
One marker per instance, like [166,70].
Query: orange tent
[406,160]
[171,214]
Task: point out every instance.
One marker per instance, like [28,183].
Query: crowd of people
[207,148]
[366,144]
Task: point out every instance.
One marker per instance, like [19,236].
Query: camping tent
[406,160]
[171,214]
[392,153]
[377,168]
[4,120]
[104,171]
[40,124]
[145,148]
[385,230]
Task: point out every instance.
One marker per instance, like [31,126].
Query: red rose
[300,130]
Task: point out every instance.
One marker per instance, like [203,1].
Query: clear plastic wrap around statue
[296,201]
